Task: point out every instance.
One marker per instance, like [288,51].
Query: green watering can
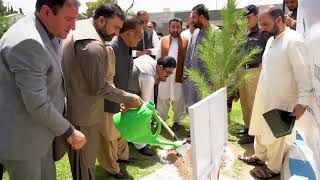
[134,125]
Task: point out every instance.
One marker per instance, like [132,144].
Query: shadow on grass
[102,174]
[143,161]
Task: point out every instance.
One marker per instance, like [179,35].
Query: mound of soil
[184,164]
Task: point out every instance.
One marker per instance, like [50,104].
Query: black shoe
[188,134]
[120,175]
[246,139]
[176,126]
[129,161]
[147,151]
[242,131]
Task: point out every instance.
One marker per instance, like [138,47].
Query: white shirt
[146,83]
[170,89]
[147,80]
[187,34]
[155,44]
[284,81]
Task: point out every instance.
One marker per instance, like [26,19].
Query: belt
[249,66]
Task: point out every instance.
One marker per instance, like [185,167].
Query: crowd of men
[62,80]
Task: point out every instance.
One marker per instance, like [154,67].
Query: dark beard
[275,31]
[198,25]
[105,35]
[174,35]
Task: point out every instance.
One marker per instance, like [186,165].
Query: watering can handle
[164,124]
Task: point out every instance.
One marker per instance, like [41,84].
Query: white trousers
[139,145]
[178,107]
[273,153]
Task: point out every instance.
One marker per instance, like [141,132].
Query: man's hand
[298,111]
[140,53]
[77,140]
[135,102]
[289,21]
[147,51]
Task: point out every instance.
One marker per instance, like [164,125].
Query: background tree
[20,11]
[82,16]
[3,9]
[4,25]
[94,5]
[222,55]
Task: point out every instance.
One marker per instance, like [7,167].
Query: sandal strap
[265,173]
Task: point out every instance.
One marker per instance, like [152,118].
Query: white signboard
[209,133]
[308,24]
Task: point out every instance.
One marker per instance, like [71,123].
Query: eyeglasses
[137,33]
[168,71]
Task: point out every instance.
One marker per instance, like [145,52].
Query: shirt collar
[281,34]
[50,35]
[254,29]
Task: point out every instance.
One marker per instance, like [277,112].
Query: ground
[145,166]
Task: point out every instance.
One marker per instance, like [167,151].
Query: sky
[28,6]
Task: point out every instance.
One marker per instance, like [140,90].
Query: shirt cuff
[134,53]
[128,97]
[153,51]
[305,100]
[68,132]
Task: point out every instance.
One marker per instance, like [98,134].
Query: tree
[3,9]
[20,11]
[4,25]
[92,6]
[82,16]
[222,54]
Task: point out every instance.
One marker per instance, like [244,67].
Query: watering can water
[134,125]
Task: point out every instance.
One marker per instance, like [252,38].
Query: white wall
[309,26]
[209,134]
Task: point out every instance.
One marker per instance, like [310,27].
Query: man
[153,25]
[171,90]
[284,84]
[146,72]
[149,41]
[147,46]
[87,64]
[190,29]
[200,19]
[247,91]
[291,18]
[32,91]
[113,147]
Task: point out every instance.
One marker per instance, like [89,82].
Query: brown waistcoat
[182,49]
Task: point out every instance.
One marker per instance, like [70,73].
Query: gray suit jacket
[31,91]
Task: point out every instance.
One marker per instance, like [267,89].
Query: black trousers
[155,91]
[1,171]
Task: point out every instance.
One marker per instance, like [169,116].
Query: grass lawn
[147,165]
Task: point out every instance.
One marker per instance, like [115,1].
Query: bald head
[271,20]
[273,12]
